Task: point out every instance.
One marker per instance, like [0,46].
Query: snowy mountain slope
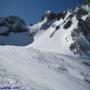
[66,32]
[32,69]
[49,62]
[57,42]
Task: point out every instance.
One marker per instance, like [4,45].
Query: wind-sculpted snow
[33,69]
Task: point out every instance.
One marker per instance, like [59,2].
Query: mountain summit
[66,32]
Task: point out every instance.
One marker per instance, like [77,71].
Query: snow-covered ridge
[66,32]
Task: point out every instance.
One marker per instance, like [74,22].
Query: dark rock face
[68,24]
[51,17]
[81,12]
[81,35]
[47,24]
[61,15]
[86,63]
[84,27]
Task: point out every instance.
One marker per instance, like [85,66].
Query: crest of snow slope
[60,40]
[32,69]
[35,30]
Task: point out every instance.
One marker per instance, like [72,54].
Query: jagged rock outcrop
[81,35]
[50,17]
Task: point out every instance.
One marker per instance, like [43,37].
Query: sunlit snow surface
[31,69]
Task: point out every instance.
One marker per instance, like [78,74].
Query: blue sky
[32,10]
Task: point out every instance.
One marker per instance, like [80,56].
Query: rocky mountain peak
[74,26]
